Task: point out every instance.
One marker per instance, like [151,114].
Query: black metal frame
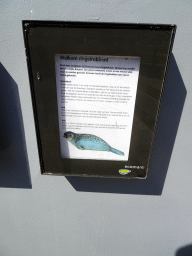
[72,164]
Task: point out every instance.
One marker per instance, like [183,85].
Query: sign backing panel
[112,114]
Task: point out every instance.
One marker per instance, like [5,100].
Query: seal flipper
[80,147]
[118,152]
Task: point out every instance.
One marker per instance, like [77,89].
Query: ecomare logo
[124,171]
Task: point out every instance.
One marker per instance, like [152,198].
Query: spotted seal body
[90,142]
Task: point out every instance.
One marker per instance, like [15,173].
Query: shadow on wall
[14,167]
[171,110]
[184,251]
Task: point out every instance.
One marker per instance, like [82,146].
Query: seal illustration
[90,142]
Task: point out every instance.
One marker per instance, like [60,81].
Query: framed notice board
[96,91]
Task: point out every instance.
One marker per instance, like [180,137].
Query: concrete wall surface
[53,215]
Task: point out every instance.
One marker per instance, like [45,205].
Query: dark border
[162,92]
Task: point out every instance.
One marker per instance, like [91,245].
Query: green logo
[124,171]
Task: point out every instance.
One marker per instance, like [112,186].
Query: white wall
[50,215]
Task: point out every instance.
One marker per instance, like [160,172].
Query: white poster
[96,101]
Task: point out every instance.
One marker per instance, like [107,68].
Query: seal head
[69,135]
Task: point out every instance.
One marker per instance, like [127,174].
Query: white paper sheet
[96,100]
